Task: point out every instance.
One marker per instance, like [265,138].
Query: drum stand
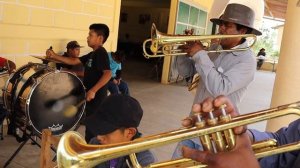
[47,141]
[30,136]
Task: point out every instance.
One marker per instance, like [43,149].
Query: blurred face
[115,58]
[117,136]
[93,40]
[74,52]
[229,28]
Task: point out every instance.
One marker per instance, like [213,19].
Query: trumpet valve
[204,139]
[217,136]
[229,134]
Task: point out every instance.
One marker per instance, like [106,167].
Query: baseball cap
[73,44]
[116,111]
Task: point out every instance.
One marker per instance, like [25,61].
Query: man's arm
[283,136]
[66,60]
[218,82]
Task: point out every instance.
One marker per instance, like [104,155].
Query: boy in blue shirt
[116,85]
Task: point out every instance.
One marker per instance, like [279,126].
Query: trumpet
[162,44]
[73,151]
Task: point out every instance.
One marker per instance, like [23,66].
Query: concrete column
[287,82]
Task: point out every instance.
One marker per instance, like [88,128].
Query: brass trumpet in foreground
[168,45]
[74,152]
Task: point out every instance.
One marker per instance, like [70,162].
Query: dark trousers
[91,108]
[121,88]
[3,114]
[259,63]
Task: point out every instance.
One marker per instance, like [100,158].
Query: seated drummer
[73,51]
[115,121]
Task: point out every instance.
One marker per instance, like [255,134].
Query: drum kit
[36,97]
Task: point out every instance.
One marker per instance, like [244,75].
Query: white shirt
[225,73]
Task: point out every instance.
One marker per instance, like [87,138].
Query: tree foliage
[267,41]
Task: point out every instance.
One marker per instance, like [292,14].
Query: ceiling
[275,9]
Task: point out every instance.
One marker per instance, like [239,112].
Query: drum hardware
[26,137]
[25,94]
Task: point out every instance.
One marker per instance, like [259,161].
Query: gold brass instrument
[74,152]
[194,83]
[167,45]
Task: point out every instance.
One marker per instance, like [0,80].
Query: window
[190,16]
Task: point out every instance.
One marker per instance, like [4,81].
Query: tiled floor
[164,107]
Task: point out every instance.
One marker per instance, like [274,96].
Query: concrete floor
[164,107]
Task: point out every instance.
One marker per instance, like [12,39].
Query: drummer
[96,68]
[73,51]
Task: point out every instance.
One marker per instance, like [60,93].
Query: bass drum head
[49,99]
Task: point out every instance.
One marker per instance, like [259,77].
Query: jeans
[116,89]
[191,143]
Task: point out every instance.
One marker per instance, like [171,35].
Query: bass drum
[37,96]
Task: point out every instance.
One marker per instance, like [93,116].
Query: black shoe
[11,130]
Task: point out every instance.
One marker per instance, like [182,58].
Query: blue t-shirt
[114,66]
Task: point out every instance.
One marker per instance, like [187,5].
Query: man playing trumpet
[226,73]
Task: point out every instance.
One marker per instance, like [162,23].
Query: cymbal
[44,58]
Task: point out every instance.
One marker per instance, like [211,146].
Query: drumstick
[52,102]
[71,110]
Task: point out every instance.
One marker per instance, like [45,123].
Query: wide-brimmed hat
[239,14]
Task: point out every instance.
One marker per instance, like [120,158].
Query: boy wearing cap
[96,68]
[73,51]
[224,73]
[115,121]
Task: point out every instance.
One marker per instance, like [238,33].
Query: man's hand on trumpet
[191,48]
[208,105]
[240,156]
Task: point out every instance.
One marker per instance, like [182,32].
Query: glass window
[180,28]
[190,16]
[184,12]
[202,19]
[194,16]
